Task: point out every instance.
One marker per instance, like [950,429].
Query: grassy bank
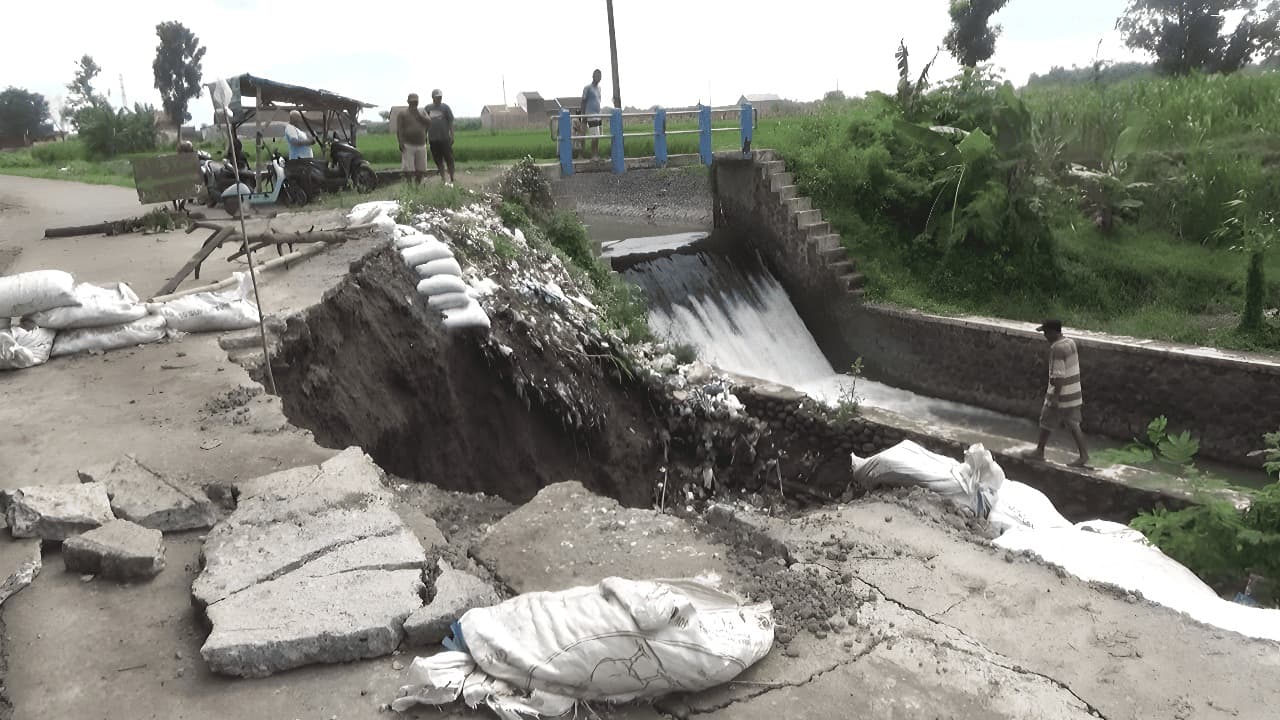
[999,224]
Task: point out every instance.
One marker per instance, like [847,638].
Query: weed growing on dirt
[159,220]
[684,353]
[417,199]
[527,205]
[849,403]
[504,248]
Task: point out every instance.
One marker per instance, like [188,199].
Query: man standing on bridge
[591,108]
[1064,398]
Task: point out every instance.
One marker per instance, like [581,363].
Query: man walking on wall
[441,134]
[411,133]
[591,108]
[1064,398]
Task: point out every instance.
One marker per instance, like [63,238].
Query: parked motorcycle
[220,175]
[345,167]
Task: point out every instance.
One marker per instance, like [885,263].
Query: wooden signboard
[167,178]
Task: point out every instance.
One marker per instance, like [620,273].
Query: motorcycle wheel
[293,195]
[232,206]
[365,179]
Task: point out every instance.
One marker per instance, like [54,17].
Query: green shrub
[107,132]
[59,153]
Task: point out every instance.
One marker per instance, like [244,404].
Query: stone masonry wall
[1227,402]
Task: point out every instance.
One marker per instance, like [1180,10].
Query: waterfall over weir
[732,309]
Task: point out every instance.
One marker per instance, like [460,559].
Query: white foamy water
[739,317]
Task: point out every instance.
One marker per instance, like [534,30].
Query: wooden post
[613,55]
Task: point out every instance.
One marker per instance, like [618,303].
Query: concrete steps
[820,240]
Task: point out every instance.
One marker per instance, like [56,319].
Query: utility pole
[613,55]
[504,91]
[124,101]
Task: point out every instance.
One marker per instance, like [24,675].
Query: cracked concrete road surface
[888,608]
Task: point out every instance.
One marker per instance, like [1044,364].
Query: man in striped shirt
[1064,398]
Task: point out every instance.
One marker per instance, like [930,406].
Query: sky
[670,52]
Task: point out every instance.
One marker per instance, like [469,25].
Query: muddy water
[729,306]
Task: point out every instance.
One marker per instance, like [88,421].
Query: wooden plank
[167,177]
[213,243]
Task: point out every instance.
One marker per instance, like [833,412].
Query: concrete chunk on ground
[119,550]
[296,621]
[567,536]
[57,512]
[20,563]
[456,593]
[313,566]
[141,495]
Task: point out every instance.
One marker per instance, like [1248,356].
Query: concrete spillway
[733,310]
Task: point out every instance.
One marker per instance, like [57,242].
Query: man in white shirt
[295,133]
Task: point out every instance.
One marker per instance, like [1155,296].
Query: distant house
[763,104]
[533,104]
[502,117]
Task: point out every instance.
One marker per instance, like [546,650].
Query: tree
[177,70]
[971,39]
[80,90]
[23,114]
[834,96]
[1252,231]
[1188,35]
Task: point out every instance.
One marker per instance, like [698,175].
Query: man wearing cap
[441,134]
[411,133]
[1064,398]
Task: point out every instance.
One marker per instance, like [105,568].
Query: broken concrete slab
[143,496]
[119,550]
[312,566]
[456,593]
[567,536]
[348,479]
[237,555]
[295,621]
[423,527]
[57,512]
[20,563]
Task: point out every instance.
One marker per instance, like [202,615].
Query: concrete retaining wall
[1228,401]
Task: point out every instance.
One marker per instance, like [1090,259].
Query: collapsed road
[524,462]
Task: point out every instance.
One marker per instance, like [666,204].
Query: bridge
[616,122]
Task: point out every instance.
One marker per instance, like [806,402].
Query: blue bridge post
[566,144]
[660,137]
[747,125]
[704,134]
[616,148]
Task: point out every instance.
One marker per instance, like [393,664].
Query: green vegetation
[1222,545]
[1100,203]
[527,204]
[848,402]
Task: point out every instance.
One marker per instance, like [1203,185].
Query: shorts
[442,151]
[413,158]
[1053,417]
[593,127]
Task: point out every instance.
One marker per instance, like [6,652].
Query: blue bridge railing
[563,133]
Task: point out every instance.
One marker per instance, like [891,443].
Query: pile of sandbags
[60,317]
[441,279]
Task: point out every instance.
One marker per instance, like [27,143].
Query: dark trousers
[442,154]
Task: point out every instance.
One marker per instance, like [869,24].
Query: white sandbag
[1020,505]
[621,640]
[149,329]
[31,292]
[1120,559]
[425,252]
[449,301]
[441,284]
[443,266]
[470,315]
[229,309]
[97,307]
[974,483]
[384,227]
[21,348]
[367,212]
[407,236]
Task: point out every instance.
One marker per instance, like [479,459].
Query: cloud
[671,52]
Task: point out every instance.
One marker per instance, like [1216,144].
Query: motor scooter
[345,168]
[272,187]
